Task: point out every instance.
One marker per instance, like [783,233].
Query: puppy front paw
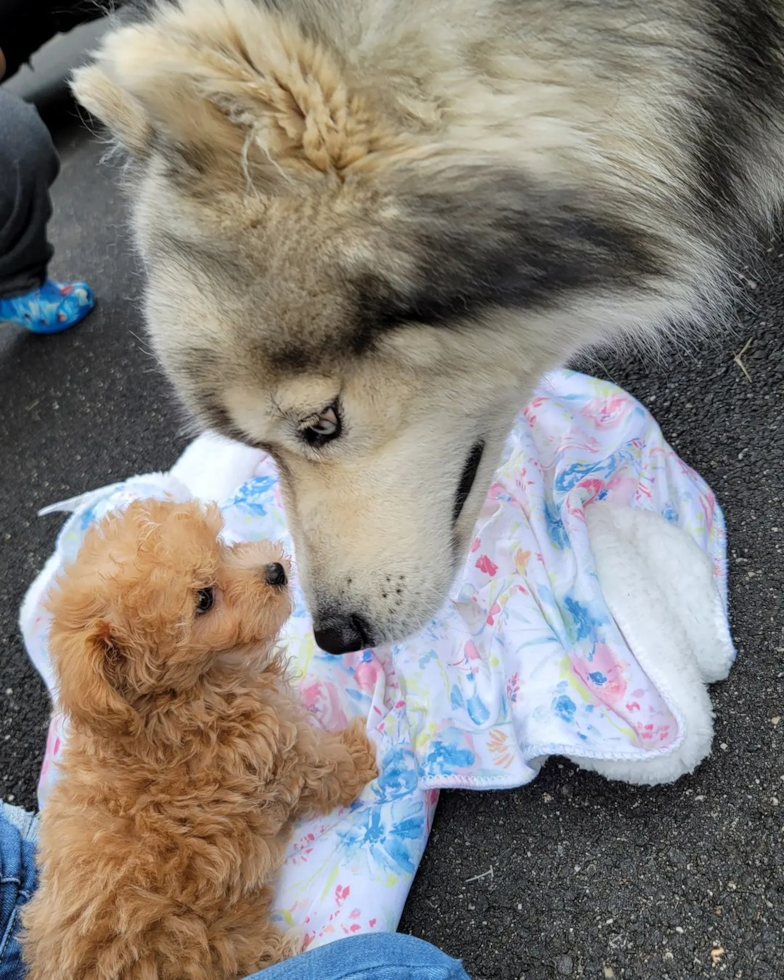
[362,751]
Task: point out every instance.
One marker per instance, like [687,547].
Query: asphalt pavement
[571,876]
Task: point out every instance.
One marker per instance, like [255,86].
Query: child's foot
[51,308]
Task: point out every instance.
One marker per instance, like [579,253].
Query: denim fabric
[18,833]
[372,956]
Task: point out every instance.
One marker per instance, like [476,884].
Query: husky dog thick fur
[371,225]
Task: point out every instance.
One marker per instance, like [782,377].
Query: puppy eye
[204,601]
[322,428]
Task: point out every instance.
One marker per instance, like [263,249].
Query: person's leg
[372,956]
[28,166]
[18,834]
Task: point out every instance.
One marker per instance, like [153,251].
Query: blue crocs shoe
[51,308]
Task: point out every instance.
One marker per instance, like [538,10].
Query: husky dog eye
[322,428]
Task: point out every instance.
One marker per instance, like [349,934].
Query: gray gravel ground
[571,876]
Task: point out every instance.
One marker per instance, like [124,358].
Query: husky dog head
[340,274]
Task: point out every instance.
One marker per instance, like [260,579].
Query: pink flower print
[372,922]
[498,491]
[606,413]
[593,486]
[513,687]
[53,746]
[644,489]
[645,731]
[578,440]
[341,893]
[603,674]
[366,675]
[492,614]
[633,706]
[471,652]
[622,487]
[322,698]
[708,503]
[475,544]
[528,413]
[484,564]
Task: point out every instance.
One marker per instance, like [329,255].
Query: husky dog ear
[232,82]
[122,115]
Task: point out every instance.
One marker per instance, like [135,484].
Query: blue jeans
[374,956]
[18,833]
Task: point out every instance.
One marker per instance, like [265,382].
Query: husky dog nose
[275,574]
[343,634]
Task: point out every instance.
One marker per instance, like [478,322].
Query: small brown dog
[188,758]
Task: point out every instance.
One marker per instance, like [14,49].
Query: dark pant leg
[28,166]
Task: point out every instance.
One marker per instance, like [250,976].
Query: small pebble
[565,966]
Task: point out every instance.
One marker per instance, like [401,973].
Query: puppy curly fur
[188,760]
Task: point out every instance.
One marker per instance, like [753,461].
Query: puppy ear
[235,83]
[89,667]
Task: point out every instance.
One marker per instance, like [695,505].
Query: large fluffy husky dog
[371,225]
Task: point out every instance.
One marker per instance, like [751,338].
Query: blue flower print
[571,476]
[581,621]
[564,707]
[394,842]
[477,709]
[445,752]
[398,777]
[556,532]
[604,468]
[254,495]
[669,513]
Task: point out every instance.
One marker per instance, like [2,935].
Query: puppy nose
[344,635]
[275,574]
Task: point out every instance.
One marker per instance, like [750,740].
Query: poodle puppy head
[154,602]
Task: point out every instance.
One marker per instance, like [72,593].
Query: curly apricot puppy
[188,759]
